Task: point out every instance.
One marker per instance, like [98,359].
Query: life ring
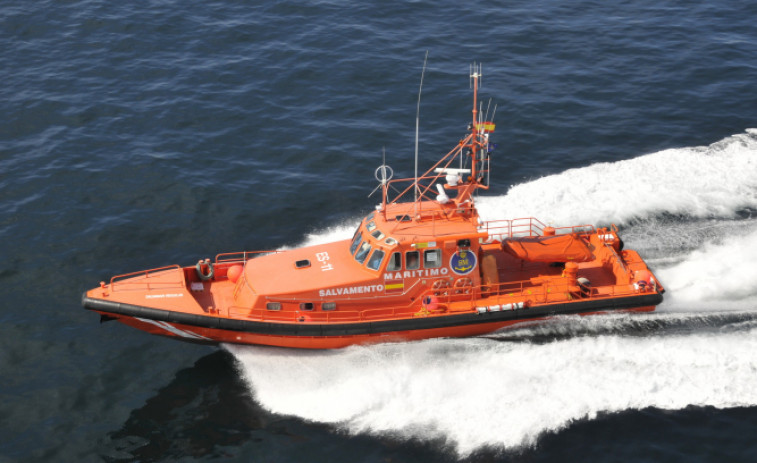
[440,287]
[201,273]
[463,286]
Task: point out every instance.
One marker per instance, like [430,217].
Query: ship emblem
[462,262]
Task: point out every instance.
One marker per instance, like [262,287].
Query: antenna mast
[475,77]
[417,119]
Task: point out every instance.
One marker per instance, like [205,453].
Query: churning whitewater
[700,182]
[506,389]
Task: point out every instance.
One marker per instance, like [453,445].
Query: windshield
[374,263]
[355,242]
[362,253]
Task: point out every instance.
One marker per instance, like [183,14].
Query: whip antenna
[417,118]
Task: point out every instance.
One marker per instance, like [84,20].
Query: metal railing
[147,274]
[451,299]
[240,256]
[527,227]
[457,300]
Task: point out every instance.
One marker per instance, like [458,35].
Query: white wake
[507,389]
[706,181]
[475,393]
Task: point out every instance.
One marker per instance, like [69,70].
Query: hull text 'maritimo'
[423,264]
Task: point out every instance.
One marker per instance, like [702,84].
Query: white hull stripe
[172,329]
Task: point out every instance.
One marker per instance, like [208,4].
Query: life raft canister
[234,272]
[201,267]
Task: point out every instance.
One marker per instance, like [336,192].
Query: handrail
[498,294]
[618,261]
[146,274]
[226,257]
[527,227]
[537,293]
[329,316]
[295,299]
[509,228]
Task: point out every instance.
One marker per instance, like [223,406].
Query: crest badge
[462,262]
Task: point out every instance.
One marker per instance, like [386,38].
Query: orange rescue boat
[422,265]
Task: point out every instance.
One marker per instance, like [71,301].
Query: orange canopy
[560,248]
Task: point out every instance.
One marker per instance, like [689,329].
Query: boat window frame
[390,266]
[328,306]
[418,260]
[437,252]
[307,306]
[364,250]
[376,266]
[357,240]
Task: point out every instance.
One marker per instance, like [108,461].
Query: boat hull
[307,335]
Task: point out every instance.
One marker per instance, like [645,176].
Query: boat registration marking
[162,296]
[323,258]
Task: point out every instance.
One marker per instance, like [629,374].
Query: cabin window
[432,258]
[378,234]
[326,306]
[374,263]
[371,226]
[273,306]
[362,253]
[306,306]
[412,260]
[355,242]
[395,262]
[390,241]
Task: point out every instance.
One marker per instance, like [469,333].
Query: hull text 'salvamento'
[422,265]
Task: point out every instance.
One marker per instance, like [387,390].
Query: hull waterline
[213,330]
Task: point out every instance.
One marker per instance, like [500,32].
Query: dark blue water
[147,133]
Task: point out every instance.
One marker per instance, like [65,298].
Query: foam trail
[506,390]
[719,275]
[712,181]
[476,393]
[667,241]
[340,232]
[335,233]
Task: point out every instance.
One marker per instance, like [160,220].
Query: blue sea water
[139,134]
